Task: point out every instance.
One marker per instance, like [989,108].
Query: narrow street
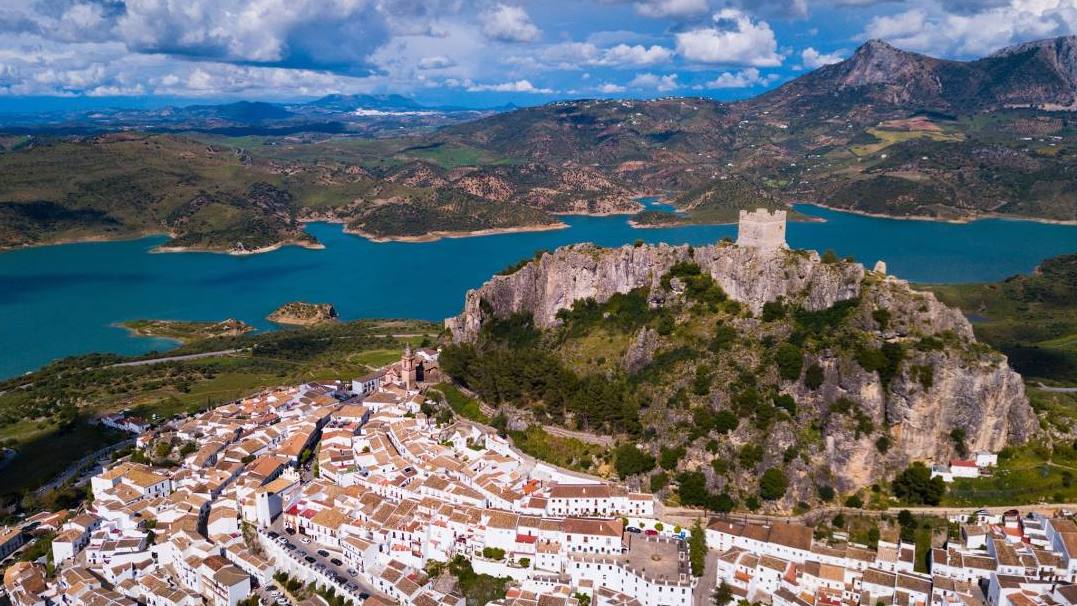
[702,595]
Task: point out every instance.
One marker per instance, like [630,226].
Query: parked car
[336,562]
[289,530]
[651,532]
[364,595]
[310,559]
[632,529]
[323,553]
[273,535]
[289,545]
[306,540]
[352,572]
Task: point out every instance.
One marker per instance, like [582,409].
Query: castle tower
[407,368]
[761,228]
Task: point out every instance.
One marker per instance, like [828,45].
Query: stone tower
[407,368]
[762,228]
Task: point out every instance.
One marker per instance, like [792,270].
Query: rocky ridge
[855,428]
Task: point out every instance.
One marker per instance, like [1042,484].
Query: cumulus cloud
[734,39]
[610,88]
[655,82]
[973,29]
[811,58]
[636,55]
[519,86]
[507,23]
[672,8]
[744,78]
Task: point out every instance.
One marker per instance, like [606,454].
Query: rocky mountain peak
[1061,53]
[878,62]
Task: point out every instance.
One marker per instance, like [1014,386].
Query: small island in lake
[184,331]
[304,314]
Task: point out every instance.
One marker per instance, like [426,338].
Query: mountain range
[885,132]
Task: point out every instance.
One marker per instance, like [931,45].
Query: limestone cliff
[573,273]
[860,418]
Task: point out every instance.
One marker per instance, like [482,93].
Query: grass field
[569,453]
[461,404]
[886,138]
[1031,475]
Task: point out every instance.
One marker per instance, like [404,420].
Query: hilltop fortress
[762,228]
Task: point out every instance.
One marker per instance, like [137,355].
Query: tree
[854,501]
[773,484]
[957,436]
[162,449]
[630,460]
[838,521]
[697,549]
[916,486]
[721,596]
[829,256]
[826,492]
[669,457]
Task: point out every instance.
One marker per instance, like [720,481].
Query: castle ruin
[761,228]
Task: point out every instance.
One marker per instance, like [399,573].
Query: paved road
[73,468]
[705,587]
[1043,387]
[208,354]
[310,550]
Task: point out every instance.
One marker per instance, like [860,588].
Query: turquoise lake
[62,300]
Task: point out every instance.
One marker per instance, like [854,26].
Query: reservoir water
[61,300]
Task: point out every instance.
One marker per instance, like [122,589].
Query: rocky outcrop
[304,314]
[574,273]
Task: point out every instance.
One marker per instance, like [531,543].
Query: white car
[306,540]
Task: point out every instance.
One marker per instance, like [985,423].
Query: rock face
[749,275]
[303,314]
[946,380]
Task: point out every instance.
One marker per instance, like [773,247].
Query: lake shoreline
[434,236]
[929,219]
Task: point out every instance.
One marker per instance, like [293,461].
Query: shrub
[630,460]
[750,455]
[829,256]
[790,361]
[813,377]
[659,481]
[854,501]
[882,444]
[825,492]
[669,457]
[787,403]
[772,484]
[838,521]
[773,310]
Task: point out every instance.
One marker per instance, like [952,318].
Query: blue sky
[86,53]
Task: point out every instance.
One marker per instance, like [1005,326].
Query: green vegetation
[1030,318]
[630,460]
[697,549]
[185,332]
[915,486]
[461,404]
[569,453]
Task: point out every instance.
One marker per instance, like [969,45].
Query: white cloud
[507,23]
[637,55]
[974,29]
[735,39]
[519,86]
[672,8]
[655,82]
[811,58]
[435,62]
[610,88]
[744,78]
